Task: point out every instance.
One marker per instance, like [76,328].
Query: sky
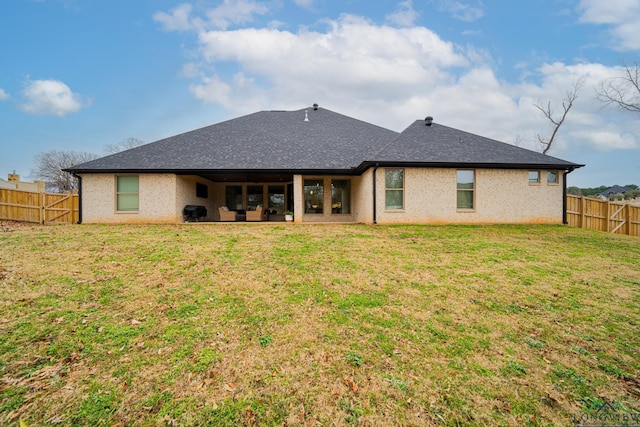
[79,75]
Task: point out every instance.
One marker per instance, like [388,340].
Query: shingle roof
[616,189]
[445,146]
[316,140]
[267,140]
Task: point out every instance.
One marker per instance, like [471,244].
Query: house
[325,167]
[616,189]
[13,183]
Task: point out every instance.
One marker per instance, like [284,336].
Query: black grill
[194,213]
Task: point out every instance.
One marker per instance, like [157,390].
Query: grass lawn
[262,324]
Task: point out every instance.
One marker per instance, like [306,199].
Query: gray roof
[439,145]
[267,140]
[315,140]
[616,189]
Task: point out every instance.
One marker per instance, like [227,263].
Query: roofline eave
[471,165]
[350,171]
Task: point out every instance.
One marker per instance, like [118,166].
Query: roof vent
[428,120]
[306,116]
[315,107]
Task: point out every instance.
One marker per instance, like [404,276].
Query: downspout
[79,198]
[375,169]
[564,196]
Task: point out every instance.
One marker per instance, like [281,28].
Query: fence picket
[39,208]
[603,215]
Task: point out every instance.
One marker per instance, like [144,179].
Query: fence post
[583,208]
[608,216]
[627,219]
[42,204]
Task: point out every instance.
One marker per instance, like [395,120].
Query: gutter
[375,169]
[564,195]
[79,198]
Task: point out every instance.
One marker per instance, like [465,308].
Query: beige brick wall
[186,195]
[326,215]
[157,200]
[501,196]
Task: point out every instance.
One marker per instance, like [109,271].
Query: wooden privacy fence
[603,215]
[41,208]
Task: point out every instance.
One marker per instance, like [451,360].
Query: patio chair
[226,214]
[255,215]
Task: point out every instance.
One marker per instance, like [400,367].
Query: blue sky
[82,74]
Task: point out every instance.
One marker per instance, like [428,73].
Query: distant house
[13,183]
[616,189]
[325,167]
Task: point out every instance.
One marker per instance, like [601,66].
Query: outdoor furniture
[194,213]
[226,214]
[255,215]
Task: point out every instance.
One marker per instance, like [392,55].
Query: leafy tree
[574,191]
[632,194]
[49,167]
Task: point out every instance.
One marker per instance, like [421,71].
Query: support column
[298,199]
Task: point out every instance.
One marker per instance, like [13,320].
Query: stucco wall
[501,196]
[157,200]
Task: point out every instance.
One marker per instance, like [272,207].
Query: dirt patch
[8,226]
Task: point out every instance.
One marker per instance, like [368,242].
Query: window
[340,196]
[534,177]
[276,198]
[233,197]
[254,197]
[465,188]
[394,189]
[202,191]
[552,177]
[313,196]
[127,193]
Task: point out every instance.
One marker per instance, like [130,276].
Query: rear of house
[325,167]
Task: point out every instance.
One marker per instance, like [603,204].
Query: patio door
[233,197]
[255,196]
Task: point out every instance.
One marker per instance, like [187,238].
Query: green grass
[256,324]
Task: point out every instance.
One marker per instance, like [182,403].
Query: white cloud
[404,16]
[179,19]
[462,10]
[50,97]
[3,95]
[392,76]
[229,12]
[304,3]
[622,16]
[353,62]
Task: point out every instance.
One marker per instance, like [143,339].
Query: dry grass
[256,324]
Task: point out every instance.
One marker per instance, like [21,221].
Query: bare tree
[567,103]
[623,91]
[125,144]
[49,167]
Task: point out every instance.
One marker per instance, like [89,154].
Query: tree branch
[567,103]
